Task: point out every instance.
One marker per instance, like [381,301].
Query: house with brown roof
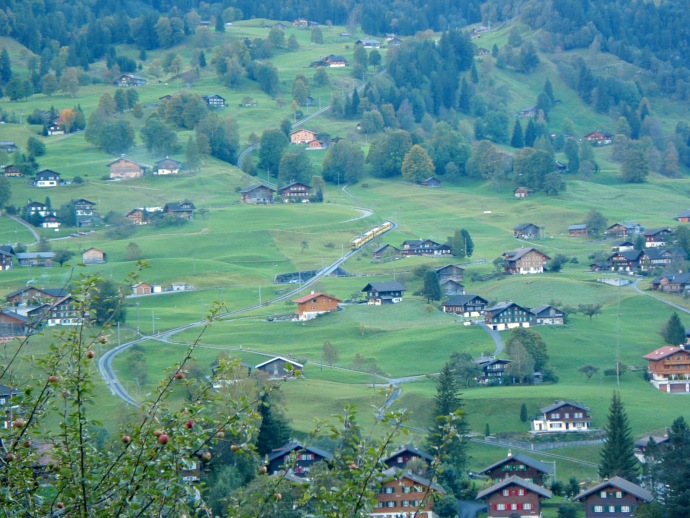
[599,138]
[14,323]
[465,305]
[578,229]
[314,304]
[403,493]
[615,497]
[519,465]
[257,194]
[167,166]
[93,256]
[514,496]
[563,416]
[294,191]
[526,231]
[302,136]
[140,216]
[508,315]
[35,259]
[123,169]
[277,368]
[181,209]
[668,368]
[521,192]
[525,261]
[12,171]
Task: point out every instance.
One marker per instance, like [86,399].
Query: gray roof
[684,214]
[384,286]
[524,459]
[279,358]
[559,404]
[296,445]
[619,483]
[523,226]
[461,300]
[398,473]
[530,486]
[516,254]
[252,187]
[679,278]
[544,307]
[578,226]
[35,255]
[411,449]
[53,292]
[642,443]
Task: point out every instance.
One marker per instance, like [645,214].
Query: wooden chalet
[599,138]
[404,454]
[390,292]
[525,261]
[296,459]
[579,229]
[656,237]
[314,304]
[129,80]
[672,283]
[8,146]
[330,61]
[403,493]
[123,169]
[35,259]
[450,288]
[276,368]
[625,229]
[47,178]
[385,251]
[140,216]
[93,256]
[563,416]
[294,191]
[628,261]
[683,217]
[514,497]
[142,288]
[642,444]
[453,272]
[546,315]
[508,315]
[662,257]
[424,247]
[669,368]
[14,323]
[302,136]
[526,231]
[214,101]
[167,166]
[12,171]
[6,260]
[64,312]
[32,296]
[432,182]
[615,498]
[521,192]
[369,43]
[181,209]
[465,305]
[519,465]
[493,369]
[623,246]
[257,194]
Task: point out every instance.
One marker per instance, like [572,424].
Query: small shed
[93,256]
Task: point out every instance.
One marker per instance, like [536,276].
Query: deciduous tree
[417,165]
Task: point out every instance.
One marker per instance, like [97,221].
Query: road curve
[28,227]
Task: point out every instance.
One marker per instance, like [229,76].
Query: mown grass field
[233,253]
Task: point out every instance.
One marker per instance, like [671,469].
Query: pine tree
[673,331]
[517,140]
[432,288]
[465,99]
[523,413]
[676,470]
[5,66]
[617,457]
[202,59]
[274,430]
[469,244]
[548,89]
[530,133]
[474,76]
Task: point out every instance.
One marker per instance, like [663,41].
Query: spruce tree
[523,413]
[474,76]
[469,244]
[465,100]
[432,288]
[5,66]
[192,155]
[676,470]
[518,140]
[274,430]
[617,457]
[530,133]
[673,331]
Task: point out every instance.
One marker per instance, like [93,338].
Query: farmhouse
[514,496]
[599,138]
[181,209]
[525,261]
[36,207]
[405,494]
[385,251]
[38,259]
[656,237]
[450,287]
[493,369]
[257,194]
[314,304]
[296,459]
[684,217]
[93,256]
[623,246]
[563,416]
[47,178]
[294,191]
[521,192]
[214,101]
[546,315]
[465,305]
[669,368]
[12,171]
[390,292]
[404,454]
[127,80]
[64,312]
[672,282]
[123,169]
[167,166]
[452,272]
[625,229]
[140,216]
[526,231]
[55,128]
[369,43]
[432,182]
[331,61]
[302,136]
[5,260]
[277,368]
[8,146]
[662,257]
[613,497]
[424,247]
[84,213]
[507,315]
[520,465]
[628,261]
[14,323]
[579,229]
[32,296]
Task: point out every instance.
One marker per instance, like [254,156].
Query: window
[405,503]
[612,509]
[407,489]
[500,507]
[619,494]
[521,492]
[506,492]
[390,504]
[513,507]
[602,494]
[625,509]
[389,490]
[527,506]
[598,508]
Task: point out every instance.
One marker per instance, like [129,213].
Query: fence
[538,446]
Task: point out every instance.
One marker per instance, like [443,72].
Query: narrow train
[362,240]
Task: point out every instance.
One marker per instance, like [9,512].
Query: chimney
[312,292]
[510,453]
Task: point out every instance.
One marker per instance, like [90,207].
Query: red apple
[90,354]
[60,505]
[179,375]
[220,435]
[189,423]
[53,379]
[126,439]
[163,438]
[18,423]
[10,457]
[353,466]
[102,339]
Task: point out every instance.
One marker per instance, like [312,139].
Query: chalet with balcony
[525,261]
[277,368]
[330,61]
[390,292]
[296,459]
[32,296]
[257,194]
[508,315]
[546,315]
[465,305]
[404,454]
[526,231]
[214,101]
[302,136]
[141,216]
[12,171]
[669,368]
[519,465]
[315,304]
[599,138]
[64,312]
[93,256]
[514,497]
[684,217]
[615,497]
[36,259]
[628,261]
[180,209]
[6,260]
[47,178]
[123,169]
[84,212]
[405,494]
[424,247]
[563,416]
[129,80]
[656,237]
[493,369]
[662,257]
[626,229]
[167,166]
[579,229]
[294,191]
[672,283]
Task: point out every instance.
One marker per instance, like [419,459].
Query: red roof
[311,296]
[663,352]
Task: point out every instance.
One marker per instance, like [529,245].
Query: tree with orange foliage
[67,116]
